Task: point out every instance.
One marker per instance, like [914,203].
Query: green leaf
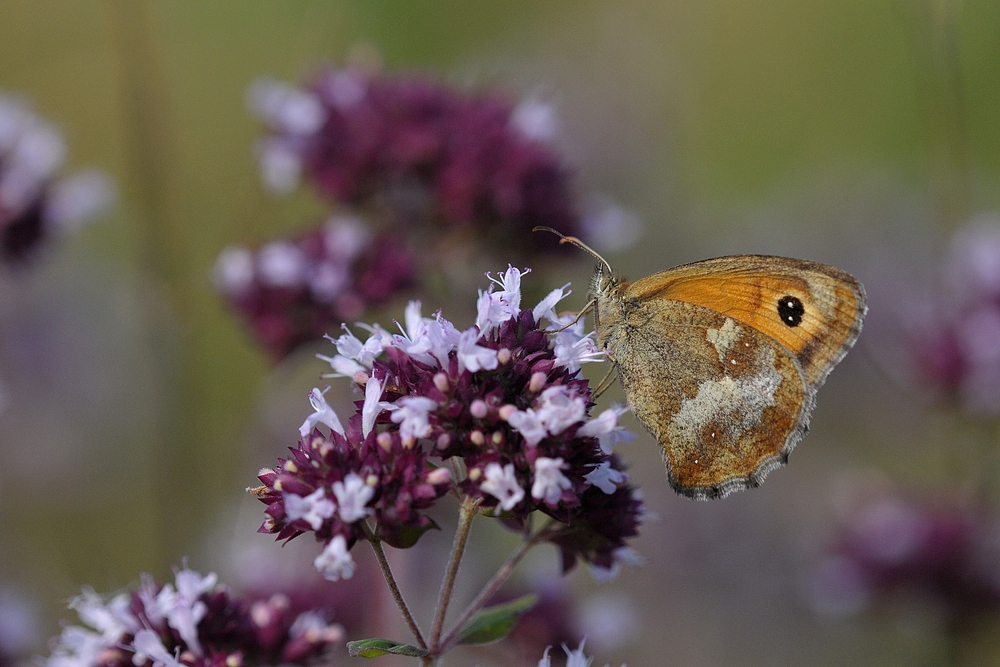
[492,624]
[406,537]
[373,648]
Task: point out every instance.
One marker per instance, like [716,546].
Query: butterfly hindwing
[726,403]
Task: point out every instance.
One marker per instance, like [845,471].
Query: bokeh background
[862,134]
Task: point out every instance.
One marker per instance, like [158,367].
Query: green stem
[393,587]
[489,590]
[467,512]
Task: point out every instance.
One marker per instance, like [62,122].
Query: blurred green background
[856,133]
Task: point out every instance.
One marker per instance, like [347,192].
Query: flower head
[940,550]
[294,290]
[194,622]
[498,399]
[956,350]
[34,203]
[478,159]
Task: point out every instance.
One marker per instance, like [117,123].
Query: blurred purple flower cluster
[945,552]
[501,396]
[446,177]
[194,622]
[20,625]
[957,352]
[477,161]
[34,203]
[290,291]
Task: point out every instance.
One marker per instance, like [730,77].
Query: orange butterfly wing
[750,289]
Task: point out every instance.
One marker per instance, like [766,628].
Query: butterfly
[721,359]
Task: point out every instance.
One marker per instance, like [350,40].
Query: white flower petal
[148,645]
[559,407]
[314,508]
[577,658]
[323,414]
[536,119]
[411,412]
[286,108]
[605,478]
[604,423]
[546,305]
[335,562]
[234,270]
[549,482]
[352,496]
[372,406]
[281,264]
[81,197]
[528,424]
[474,357]
[501,483]
[280,166]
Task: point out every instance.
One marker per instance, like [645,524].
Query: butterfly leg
[586,309]
[605,383]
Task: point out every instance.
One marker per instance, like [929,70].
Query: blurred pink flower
[944,550]
[34,202]
[956,350]
[481,161]
[295,291]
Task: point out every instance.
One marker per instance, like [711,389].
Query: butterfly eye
[790,310]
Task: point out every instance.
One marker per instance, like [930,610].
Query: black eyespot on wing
[790,310]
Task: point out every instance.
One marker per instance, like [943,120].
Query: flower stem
[393,587]
[489,590]
[467,512]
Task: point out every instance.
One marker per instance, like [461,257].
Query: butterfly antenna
[575,241]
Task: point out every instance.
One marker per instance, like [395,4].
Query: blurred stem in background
[941,100]
[150,143]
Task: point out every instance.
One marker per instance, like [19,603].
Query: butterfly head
[606,284]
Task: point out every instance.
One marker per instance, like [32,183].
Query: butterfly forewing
[813,310]
[721,359]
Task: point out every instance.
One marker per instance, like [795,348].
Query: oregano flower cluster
[497,413]
[417,175]
[476,160]
[290,290]
[193,622]
[943,551]
[35,203]
[955,345]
